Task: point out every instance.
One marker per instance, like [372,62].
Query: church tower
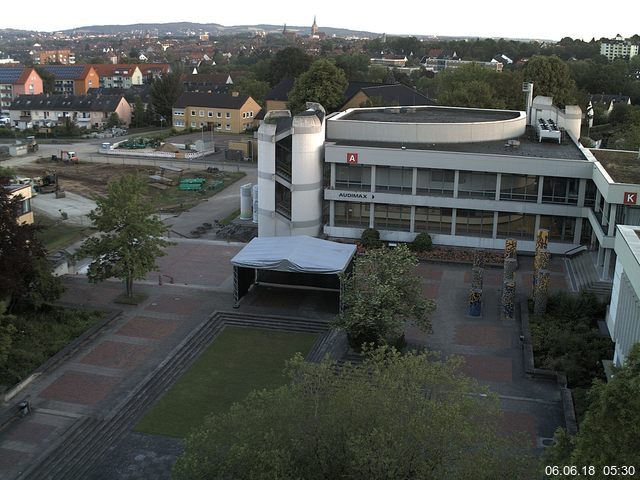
[314,28]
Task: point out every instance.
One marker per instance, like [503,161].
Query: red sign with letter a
[352,158]
[630,198]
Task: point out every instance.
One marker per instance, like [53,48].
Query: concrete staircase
[86,442]
[585,276]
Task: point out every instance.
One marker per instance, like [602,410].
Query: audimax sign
[356,195]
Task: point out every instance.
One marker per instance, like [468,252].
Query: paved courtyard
[100,374]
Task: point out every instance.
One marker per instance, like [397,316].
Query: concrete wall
[623,318]
[407,132]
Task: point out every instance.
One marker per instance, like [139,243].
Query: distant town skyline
[490,18]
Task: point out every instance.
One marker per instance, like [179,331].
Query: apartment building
[62,57]
[73,79]
[618,48]
[118,75]
[15,81]
[232,113]
[86,111]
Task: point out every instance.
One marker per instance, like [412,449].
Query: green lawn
[238,361]
[56,235]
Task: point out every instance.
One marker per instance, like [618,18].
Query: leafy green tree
[165,91]
[130,235]
[289,62]
[48,79]
[422,243]
[139,114]
[381,294]
[551,77]
[394,417]
[25,274]
[475,86]
[370,238]
[610,432]
[113,120]
[323,83]
[7,330]
[256,89]
[356,66]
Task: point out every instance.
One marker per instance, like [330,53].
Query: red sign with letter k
[630,198]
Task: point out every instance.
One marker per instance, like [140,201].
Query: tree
[610,432]
[25,273]
[289,62]
[381,294]
[113,120]
[475,86]
[551,77]
[394,417]
[422,243]
[139,114]
[256,89]
[7,330]
[323,83]
[48,79]
[130,237]
[370,238]
[356,67]
[165,91]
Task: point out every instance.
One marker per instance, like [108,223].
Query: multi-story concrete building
[90,111]
[218,112]
[118,75]
[623,315]
[62,57]
[468,177]
[24,193]
[290,173]
[15,81]
[73,79]
[618,48]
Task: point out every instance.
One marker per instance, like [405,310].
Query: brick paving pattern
[83,388]
[116,355]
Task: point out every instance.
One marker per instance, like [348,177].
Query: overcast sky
[546,19]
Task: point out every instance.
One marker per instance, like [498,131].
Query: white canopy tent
[298,260]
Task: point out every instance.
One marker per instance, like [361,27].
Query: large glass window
[353,177]
[349,214]
[283,158]
[474,222]
[392,217]
[283,200]
[560,190]
[561,229]
[435,182]
[394,179]
[517,225]
[523,188]
[477,185]
[433,220]
[25,206]
[590,194]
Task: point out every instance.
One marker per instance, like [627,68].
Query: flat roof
[429,114]
[528,147]
[622,166]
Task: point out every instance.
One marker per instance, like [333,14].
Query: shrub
[422,243]
[371,238]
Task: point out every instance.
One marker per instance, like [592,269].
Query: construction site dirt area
[169,192]
[86,179]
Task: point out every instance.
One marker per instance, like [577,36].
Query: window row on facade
[441,220]
[469,184]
